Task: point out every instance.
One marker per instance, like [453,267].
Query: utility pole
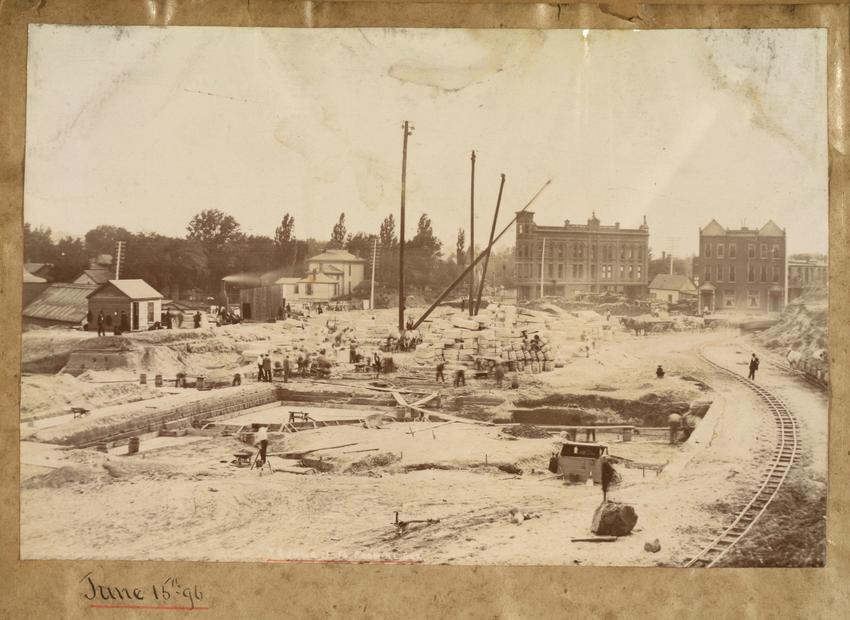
[472,236]
[489,245]
[542,265]
[408,129]
[374,260]
[118,256]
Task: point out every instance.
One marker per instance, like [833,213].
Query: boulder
[652,547]
[613,519]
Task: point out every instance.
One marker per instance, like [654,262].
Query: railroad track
[784,455]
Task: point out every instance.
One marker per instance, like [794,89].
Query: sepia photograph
[425,296]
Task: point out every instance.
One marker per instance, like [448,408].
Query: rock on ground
[613,519]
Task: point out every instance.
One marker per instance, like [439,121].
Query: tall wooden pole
[489,248]
[542,266]
[374,260]
[477,259]
[472,235]
[407,132]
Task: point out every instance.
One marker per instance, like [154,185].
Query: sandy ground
[181,498]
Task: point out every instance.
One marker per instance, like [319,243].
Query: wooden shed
[134,305]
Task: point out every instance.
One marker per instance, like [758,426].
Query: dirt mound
[528,431]
[802,328]
[651,409]
[382,459]
[62,477]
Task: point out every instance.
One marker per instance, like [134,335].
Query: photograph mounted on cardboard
[507,297]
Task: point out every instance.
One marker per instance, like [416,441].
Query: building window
[629,253]
[593,271]
[751,250]
[708,250]
[719,250]
[560,270]
[732,272]
[751,273]
[578,251]
[309,289]
[720,273]
[559,251]
[551,270]
[708,273]
[622,272]
[774,251]
[150,313]
[729,299]
[607,272]
[776,273]
[622,252]
[581,271]
[733,250]
[539,270]
[631,272]
[763,250]
[295,290]
[639,270]
[752,299]
[763,273]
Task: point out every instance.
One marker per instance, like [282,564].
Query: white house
[671,288]
[343,267]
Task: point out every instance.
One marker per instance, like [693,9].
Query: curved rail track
[784,455]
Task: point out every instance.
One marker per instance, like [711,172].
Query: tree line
[215,246]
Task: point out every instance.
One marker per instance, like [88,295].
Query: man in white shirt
[261,439]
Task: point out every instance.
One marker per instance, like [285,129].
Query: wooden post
[472,234]
[489,247]
[407,132]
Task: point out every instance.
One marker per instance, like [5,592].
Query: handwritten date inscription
[169,592]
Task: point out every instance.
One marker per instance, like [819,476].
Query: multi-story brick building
[741,269]
[574,258]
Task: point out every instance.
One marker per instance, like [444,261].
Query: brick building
[577,258]
[741,269]
[805,274]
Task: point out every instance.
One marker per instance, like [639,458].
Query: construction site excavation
[529,313]
[401,464]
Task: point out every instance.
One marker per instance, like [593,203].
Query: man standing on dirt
[754,366]
[377,360]
[197,319]
[267,368]
[100,320]
[675,421]
[261,440]
[499,373]
[607,476]
[460,377]
[260,367]
[286,369]
[441,366]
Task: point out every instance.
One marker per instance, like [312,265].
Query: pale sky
[143,127]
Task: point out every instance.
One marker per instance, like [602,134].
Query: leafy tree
[361,245]
[422,254]
[284,239]
[216,232]
[71,258]
[338,234]
[101,240]
[460,248]
[38,244]
[387,233]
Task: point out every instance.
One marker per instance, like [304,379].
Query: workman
[754,366]
[607,476]
[267,368]
[499,373]
[100,322]
[441,366]
[460,377]
[286,369]
[260,375]
[659,372]
[674,420]
[197,319]
[377,359]
[261,440]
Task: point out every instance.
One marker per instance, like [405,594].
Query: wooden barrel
[102,447]
[199,383]
[143,379]
[157,380]
[133,445]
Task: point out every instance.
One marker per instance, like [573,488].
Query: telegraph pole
[119,254]
[374,260]
[542,266]
[472,236]
[408,129]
